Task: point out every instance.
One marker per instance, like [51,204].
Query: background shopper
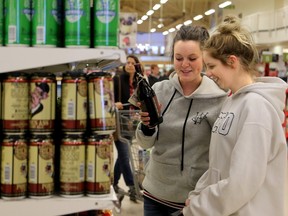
[190,105]
[248,150]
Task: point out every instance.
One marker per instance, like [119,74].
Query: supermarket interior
[71,49]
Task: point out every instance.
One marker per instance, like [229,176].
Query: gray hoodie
[180,154]
[248,155]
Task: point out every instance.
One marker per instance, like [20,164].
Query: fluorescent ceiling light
[156,6]
[179,26]
[145,17]
[225,4]
[150,12]
[187,22]
[153,30]
[171,29]
[163,1]
[160,25]
[209,12]
[198,17]
[165,33]
[139,22]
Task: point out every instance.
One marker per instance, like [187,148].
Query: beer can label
[1,22]
[74,104]
[15,111]
[18,18]
[45,23]
[106,23]
[72,167]
[77,23]
[41,167]
[101,104]
[98,165]
[14,168]
[42,104]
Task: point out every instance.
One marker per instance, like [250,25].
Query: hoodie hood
[273,89]
[207,89]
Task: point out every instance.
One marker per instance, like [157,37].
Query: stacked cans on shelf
[27,148]
[59,23]
[88,121]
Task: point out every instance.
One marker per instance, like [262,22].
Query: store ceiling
[171,13]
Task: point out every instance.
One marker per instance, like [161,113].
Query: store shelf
[58,59]
[56,205]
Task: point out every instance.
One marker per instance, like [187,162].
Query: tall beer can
[15,102]
[77,23]
[46,23]
[41,166]
[42,102]
[18,18]
[1,22]
[14,166]
[98,164]
[106,23]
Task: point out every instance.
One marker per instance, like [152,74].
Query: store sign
[285,57]
[266,57]
[128,30]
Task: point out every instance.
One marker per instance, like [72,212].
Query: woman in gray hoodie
[190,103]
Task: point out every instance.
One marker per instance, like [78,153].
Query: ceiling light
[156,6]
[187,22]
[225,4]
[171,29]
[165,33]
[179,26]
[160,25]
[153,30]
[150,12]
[198,17]
[211,11]
[144,17]
[139,22]
[163,1]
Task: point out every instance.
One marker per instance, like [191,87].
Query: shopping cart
[127,122]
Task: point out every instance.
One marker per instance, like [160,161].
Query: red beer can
[41,166]
[72,165]
[99,164]
[14,166]
[42,102]
[101,103]
[74,101]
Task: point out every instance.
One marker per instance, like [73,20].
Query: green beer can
[17,24]
[106,23]
[46,23]
[1,22]
[77,23]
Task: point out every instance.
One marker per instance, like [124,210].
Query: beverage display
[148,99]
[77,23]
[17,24]
[46,23]
[41,166]
[106,23]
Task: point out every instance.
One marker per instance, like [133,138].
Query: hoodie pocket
[194,175]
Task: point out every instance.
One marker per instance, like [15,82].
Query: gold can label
[74,105]
[72,167]
[42,104]
[41,167]
[15,111]
[14,154]
[98,165]
[101,103]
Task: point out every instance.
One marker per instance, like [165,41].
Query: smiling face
[217,71]
[188,60]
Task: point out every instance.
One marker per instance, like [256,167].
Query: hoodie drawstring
[183,135]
